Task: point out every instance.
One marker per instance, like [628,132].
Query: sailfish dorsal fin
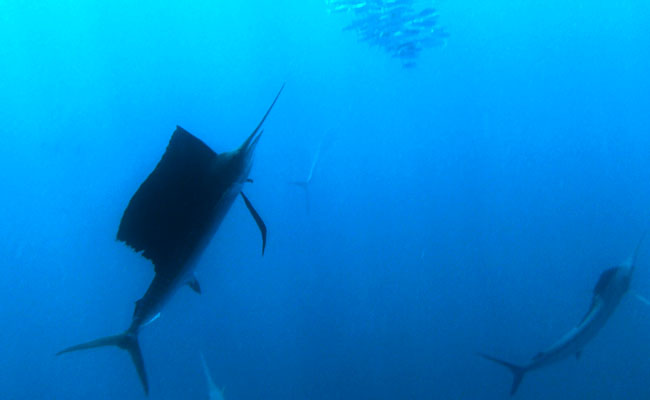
[168,214]
[605,277]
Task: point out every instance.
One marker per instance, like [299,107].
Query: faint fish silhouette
[214,393]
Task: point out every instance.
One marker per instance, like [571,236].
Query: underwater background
[466,204]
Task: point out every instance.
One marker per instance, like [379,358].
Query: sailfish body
[171,219]
[610,289]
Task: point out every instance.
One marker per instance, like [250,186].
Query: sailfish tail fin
[127,341]
[517,371]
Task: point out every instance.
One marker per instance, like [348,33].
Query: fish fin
[155,317]
[249,180]
[194,284]
[127,341]
[604,280]
[258,220]
[516,370]
[170,206]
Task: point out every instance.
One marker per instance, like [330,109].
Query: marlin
[171,219]
[610,289]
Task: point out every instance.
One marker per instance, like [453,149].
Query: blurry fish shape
[426,12]
[214,393]
[612,285]
[305,184]
[171,219]
[344,6]
[428,22]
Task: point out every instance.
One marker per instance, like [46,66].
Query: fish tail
[127,341]
[517,371]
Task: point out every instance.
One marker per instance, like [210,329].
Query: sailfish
[305,184]
[214,393]
[610,289]
[172,217]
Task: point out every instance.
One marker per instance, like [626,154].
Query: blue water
[466,204]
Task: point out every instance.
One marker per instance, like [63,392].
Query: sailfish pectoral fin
[194,284]
[258,220]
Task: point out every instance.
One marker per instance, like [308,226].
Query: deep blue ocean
[466,204]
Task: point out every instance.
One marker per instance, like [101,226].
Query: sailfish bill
[171,219]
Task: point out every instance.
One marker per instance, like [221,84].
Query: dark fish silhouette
[171,219]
